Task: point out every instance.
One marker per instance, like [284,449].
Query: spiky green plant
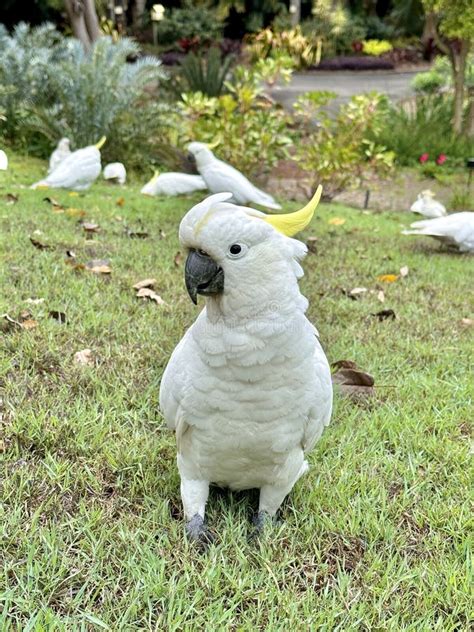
[204,74]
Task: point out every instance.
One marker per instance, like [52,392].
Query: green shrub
[376,47]
[335,27]
[203,73]
[423,125]
[340,149]
[427,82]
[301,49]
[188,23]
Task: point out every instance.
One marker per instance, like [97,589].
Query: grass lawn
[375,537]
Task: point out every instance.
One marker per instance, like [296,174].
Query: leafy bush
[189,23]
[250,130]
[293,44]
[376,47]
[423,126]
[427,82]
[206,74]
[340,150]
[335,27]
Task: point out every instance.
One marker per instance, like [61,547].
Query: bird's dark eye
[235,249]
[203,253]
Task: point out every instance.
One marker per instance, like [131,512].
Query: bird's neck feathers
[204,158]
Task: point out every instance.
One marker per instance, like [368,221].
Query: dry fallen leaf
[90,227]
[57,206]
[404,271]
[162,234]
[29,323]
[352,382]
[75,212]
[99,266]
[387,278]
[39,245]
[381,296]
[144,283]
[59,316]
[384,314]
[136,234]
[146,292]
[25,322]
[120,201]
[178,259]
[357,291]
[311,244]
[467,322]
[337,221]
[34,301]
[11,198]
[84,357]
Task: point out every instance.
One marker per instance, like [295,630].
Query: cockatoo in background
[62,151]
[221,177]
[77,172]
[116,172]
[173,183]
[3,161]
[427,206]
[455,231]
[248,389]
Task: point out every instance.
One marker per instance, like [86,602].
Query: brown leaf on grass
[404,271]
[59,316]
[146,292]
[351,381]
[162,234]
[381,296]
[99,266]
[387,278]
[90,227]
[311,244]
[337,221]
[136,234]
[11,198]
[355,293]
[384,314]
[120,201]
[84,357]
[75,212]
[178,259]
[467,322]
[24,322]
[29,323]
[39,245]
[150,283]
[57,206]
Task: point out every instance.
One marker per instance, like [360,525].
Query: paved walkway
[396,85]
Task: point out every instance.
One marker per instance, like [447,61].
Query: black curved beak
[202,275]
[191,158]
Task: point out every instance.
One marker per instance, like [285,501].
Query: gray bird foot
[260,521]
[197,531]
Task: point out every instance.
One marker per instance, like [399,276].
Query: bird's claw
[197,531]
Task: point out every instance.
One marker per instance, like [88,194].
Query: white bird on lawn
[221,177]
[455,230]
[116,172]
[173,183]
[77,172]
[248,389]
[62,151]
[426,205]
[3,161]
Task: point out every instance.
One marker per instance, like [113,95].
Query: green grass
[375,537]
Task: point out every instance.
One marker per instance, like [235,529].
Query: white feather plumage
[248,389]
[455,230]
[174,183]
[3,161]
[77,171]
[116,172]
[427,206]
[62,151]
[221,177]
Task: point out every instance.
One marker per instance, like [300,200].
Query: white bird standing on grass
[221,177]
[76,172]
[3,161]
[62,151]
[455,231]
[115,172]
[426,205]
[248,389]
[173,183]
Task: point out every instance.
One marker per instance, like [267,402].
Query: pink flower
[423,158]
[441,159]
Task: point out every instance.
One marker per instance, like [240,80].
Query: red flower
[423,158]
[441,159]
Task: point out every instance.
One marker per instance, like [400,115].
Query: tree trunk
[138,12]
[91,20]
[458,62]
[469,126]
[295,12]
[84,21]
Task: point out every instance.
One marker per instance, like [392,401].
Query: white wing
[221,177]
[3,161]
[320,413]
[172,382]
[174,183]
[115,171]
[78,171]
[456,230]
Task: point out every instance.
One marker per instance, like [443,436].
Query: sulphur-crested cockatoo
[62,151]
[248,389]
[426,205]
[3,161]
[115,172]
[77,172]
[173,183]
[221,177]
[455,231]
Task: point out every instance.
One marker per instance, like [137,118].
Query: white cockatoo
[173,183]
[3,161]
[115,172]
[248,389]
[221,177]
[62,151]
[77,172]
[426,205]
[455,231]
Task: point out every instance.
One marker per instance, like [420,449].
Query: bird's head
[64,144]
[239,255]
[199,153]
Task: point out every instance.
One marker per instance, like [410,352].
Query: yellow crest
[291,223]
[101,142]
